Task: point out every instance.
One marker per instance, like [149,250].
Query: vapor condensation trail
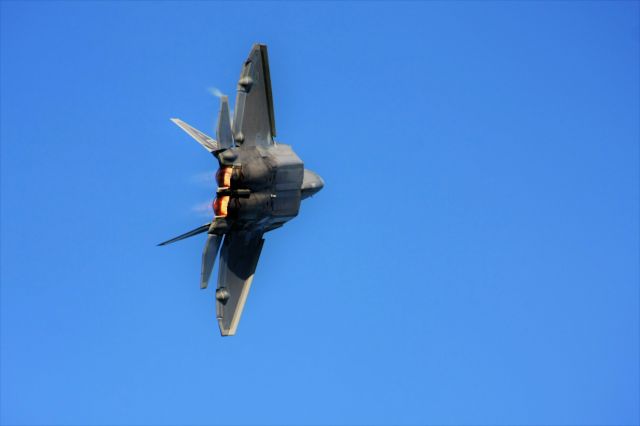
[215,92]
[203,209]
[204,178]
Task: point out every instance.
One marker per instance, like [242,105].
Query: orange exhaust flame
[221,206]
[223,177]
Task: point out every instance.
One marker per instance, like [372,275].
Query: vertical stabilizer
[223,131]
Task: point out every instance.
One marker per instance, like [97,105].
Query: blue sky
[473,258]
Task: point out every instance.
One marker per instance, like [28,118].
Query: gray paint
[267,183]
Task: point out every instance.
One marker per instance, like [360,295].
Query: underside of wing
[238,260]
[253,119]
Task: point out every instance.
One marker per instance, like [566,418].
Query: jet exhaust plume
[204,209]
[204,178]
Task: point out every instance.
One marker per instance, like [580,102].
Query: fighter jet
[260,186]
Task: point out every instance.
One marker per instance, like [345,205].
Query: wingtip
[225,333]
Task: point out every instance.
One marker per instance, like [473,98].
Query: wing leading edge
[253,118]
[238,260]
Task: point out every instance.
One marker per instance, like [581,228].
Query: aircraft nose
[311,183]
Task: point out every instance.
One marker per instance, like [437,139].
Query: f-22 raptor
[260,186]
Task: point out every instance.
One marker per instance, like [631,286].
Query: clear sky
[473,258]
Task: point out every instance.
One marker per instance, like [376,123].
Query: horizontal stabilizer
[199,230]
[207,142]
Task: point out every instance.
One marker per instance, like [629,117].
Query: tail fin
[223,132]
[209,258]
